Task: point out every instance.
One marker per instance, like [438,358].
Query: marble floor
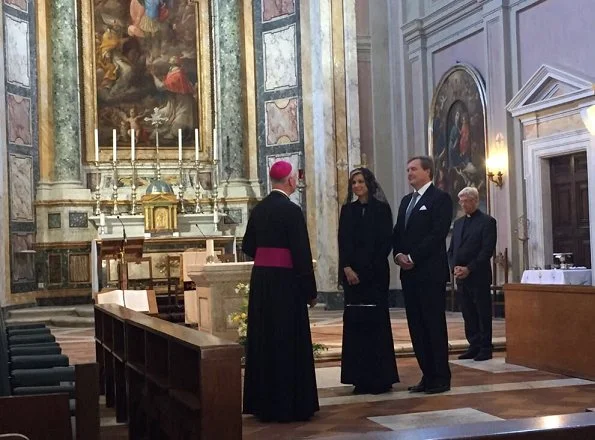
[481,391]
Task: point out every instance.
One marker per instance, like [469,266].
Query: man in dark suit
[471,247]
[419,248]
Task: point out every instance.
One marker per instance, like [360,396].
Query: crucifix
[156,121]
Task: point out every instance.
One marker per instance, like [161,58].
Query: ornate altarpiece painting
[457,134]
[139,56]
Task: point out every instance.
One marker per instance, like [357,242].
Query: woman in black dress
[365,231]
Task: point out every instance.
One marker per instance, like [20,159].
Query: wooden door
[570,207]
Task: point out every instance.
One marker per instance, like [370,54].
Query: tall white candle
[210,247]
[196,144]
[180,144]
[132,146]
[96,145]
[114,144]
[215,144]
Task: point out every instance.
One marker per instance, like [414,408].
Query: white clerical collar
[281,191]
[424,188]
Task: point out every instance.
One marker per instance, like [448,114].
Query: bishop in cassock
[279,380]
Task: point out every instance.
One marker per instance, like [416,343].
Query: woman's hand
[351,276]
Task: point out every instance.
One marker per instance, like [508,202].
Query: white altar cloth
[579,276]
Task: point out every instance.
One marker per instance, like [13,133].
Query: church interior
[136,138]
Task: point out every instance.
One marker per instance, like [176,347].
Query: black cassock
[279,380]
[368,358]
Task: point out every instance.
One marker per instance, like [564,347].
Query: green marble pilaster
[65,77]
[230,106]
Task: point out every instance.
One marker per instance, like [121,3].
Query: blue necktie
[411,206]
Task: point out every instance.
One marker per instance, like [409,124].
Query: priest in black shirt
[279,380]
[471,247]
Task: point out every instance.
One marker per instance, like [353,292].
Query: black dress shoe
[483,356]
[438,389]
[418,388]
[469,354]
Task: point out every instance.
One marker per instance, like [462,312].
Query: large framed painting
[146,57]
[457,134]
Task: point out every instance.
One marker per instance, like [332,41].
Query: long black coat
[368,358]
[279,381]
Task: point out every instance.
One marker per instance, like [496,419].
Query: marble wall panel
[20,174]
[280,58]
[79,268]
[19,119]
[78,219]
[282,121]
[296,161]
[276,9]
[18,4]
[23,258]
[54,220]
[16,42]
[54,269]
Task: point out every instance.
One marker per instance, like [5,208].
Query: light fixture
[588,115]
[497,163]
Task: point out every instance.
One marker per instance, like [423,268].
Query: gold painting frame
[204,61]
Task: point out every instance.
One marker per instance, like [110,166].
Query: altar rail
[551,328]
[167,380]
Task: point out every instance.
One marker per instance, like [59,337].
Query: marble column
[500,125]
[4,225]
[66,103]
[329,83]
[229,104]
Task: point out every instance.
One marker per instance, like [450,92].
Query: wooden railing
[166,380]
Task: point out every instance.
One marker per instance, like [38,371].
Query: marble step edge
[454,346]
[83,311]
[55,321]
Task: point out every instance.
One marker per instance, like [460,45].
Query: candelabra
[215,191]
[197,189]
[97,190]
[181,188]
[115,187]
[133,208]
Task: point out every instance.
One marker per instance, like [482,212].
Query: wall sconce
[301,185]
[588,115]
[496,164]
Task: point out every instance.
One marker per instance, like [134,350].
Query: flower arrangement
[240,318]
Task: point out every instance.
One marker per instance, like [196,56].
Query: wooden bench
[168,380]
[562,427]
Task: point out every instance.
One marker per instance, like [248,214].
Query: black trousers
[476,305]
[425,304]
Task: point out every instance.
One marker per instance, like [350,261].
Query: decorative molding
[539,92]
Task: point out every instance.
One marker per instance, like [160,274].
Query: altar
[575,276]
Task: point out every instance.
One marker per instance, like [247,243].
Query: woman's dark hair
[369,179]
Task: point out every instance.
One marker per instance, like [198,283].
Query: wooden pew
[176,382]
[561,427]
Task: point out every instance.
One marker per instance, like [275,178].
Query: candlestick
[114,144]
[115,210]
[96,145]
[196,144]
[133,208]
[197,189]
[215,144]
[98,190]
[132,146]
[179,144]
[181,188]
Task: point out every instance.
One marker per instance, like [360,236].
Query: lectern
[121,250]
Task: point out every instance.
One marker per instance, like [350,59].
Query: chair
[174,280]
[140,273]
[497,289]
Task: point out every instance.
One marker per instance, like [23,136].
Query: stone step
[66,316]
[54,321]
[28,312]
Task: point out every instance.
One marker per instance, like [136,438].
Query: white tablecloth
[558,276]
